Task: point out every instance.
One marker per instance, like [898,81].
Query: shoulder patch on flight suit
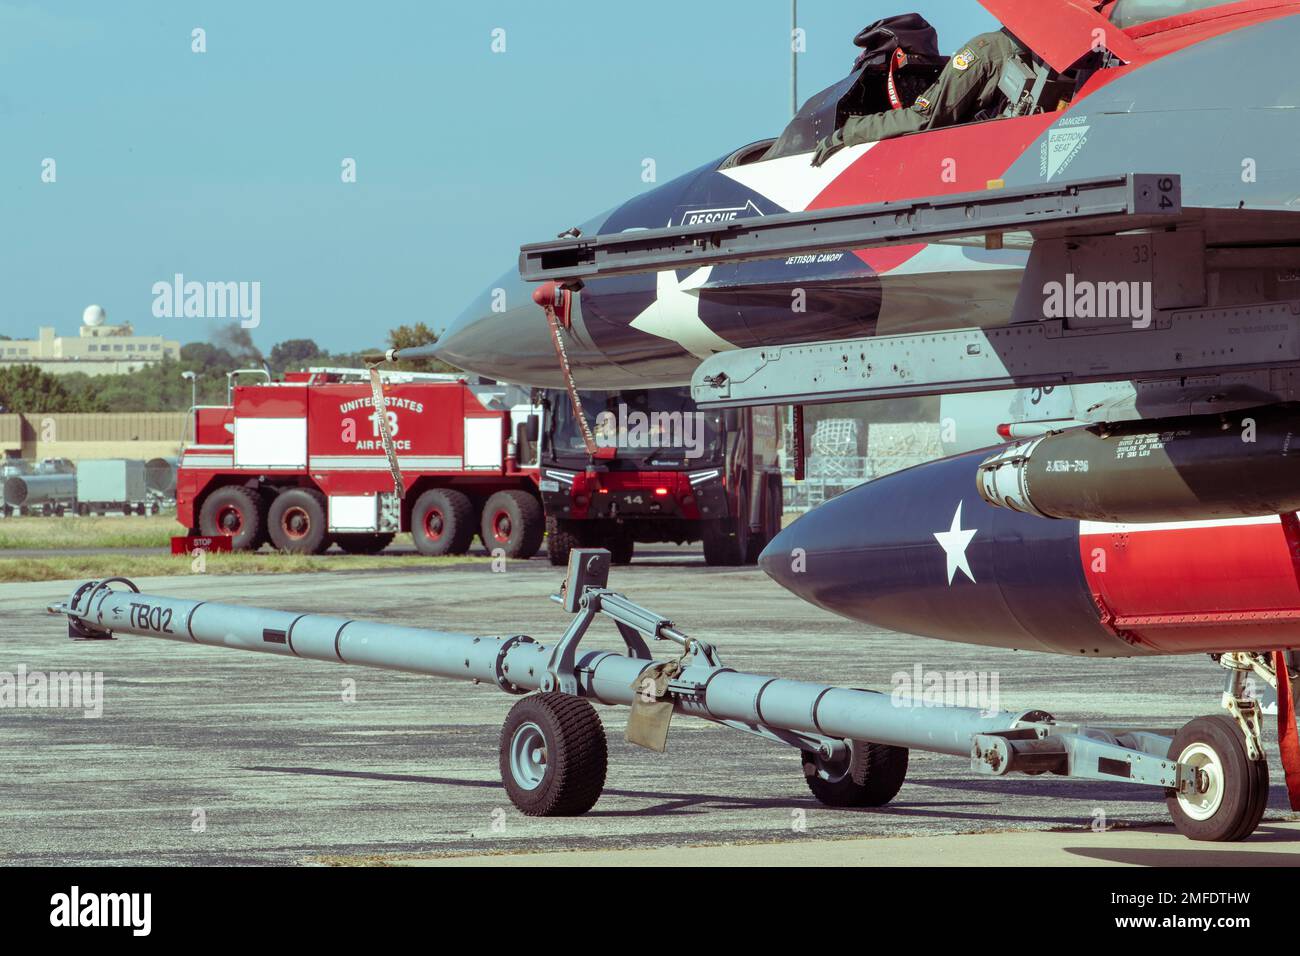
[964,59]
[922,105]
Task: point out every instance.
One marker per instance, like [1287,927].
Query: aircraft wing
[1062,31]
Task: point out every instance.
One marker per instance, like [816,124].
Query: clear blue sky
[225,165]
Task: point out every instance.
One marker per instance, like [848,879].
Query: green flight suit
[967,86]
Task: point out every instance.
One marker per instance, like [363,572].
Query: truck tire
[720,548]
[442,522]
[297,522]
[726,540]
[233,510]
[364,543]
[561,538]
[620,546]
[513,521]
[772,509]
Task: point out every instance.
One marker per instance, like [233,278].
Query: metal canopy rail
[1088,206]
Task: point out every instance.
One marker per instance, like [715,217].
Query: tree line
[161,387]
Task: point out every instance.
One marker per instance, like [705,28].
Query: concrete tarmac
[206,756]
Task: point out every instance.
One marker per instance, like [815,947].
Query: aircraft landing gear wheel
[1232,789]
[870,776]
[553,755]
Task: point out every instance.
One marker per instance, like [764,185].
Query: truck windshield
[649,427]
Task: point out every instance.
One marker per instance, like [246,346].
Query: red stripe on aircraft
[939,162]
[1180,590]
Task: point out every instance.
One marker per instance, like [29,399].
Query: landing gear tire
[296,521]
[234,511]
[513,521]
[870,776]
[553,755]
[442,522]
[363,543]
[1232,789]
[560,540]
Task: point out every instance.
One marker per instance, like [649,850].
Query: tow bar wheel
[1230,792]
[870,775]
[553,755]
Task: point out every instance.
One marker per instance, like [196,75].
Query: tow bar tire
[560,540]
[553,755]
[513,521]
[869,777]
[442,522]
[360,543]
[297,523]
[234,511]
[1233,792]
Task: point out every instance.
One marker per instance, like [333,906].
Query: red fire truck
[301,463]
[677,474]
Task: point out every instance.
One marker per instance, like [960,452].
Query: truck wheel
[553,755]
[363,543]
[621,547]
[561,538]
[297,521]
[870,776]
[442,522]
[513,521]
[233,510]
[726,541]
[1233,789]
[721,547]
[773,508]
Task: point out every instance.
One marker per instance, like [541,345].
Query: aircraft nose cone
[802,557]
[503,335]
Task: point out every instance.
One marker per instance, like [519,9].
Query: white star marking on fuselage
[954,542]
[675,314]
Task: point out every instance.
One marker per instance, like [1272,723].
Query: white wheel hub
[1203,801]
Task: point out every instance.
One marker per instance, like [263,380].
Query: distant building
[99,349]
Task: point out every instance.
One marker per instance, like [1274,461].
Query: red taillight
[661,492]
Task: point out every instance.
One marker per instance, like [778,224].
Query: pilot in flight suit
[967,86]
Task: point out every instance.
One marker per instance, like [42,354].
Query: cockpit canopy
[899,53]
[1131,13]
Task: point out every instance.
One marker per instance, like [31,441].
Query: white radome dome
[94,316]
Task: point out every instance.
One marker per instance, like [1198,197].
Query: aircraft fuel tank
[1204,467]
[920,552]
